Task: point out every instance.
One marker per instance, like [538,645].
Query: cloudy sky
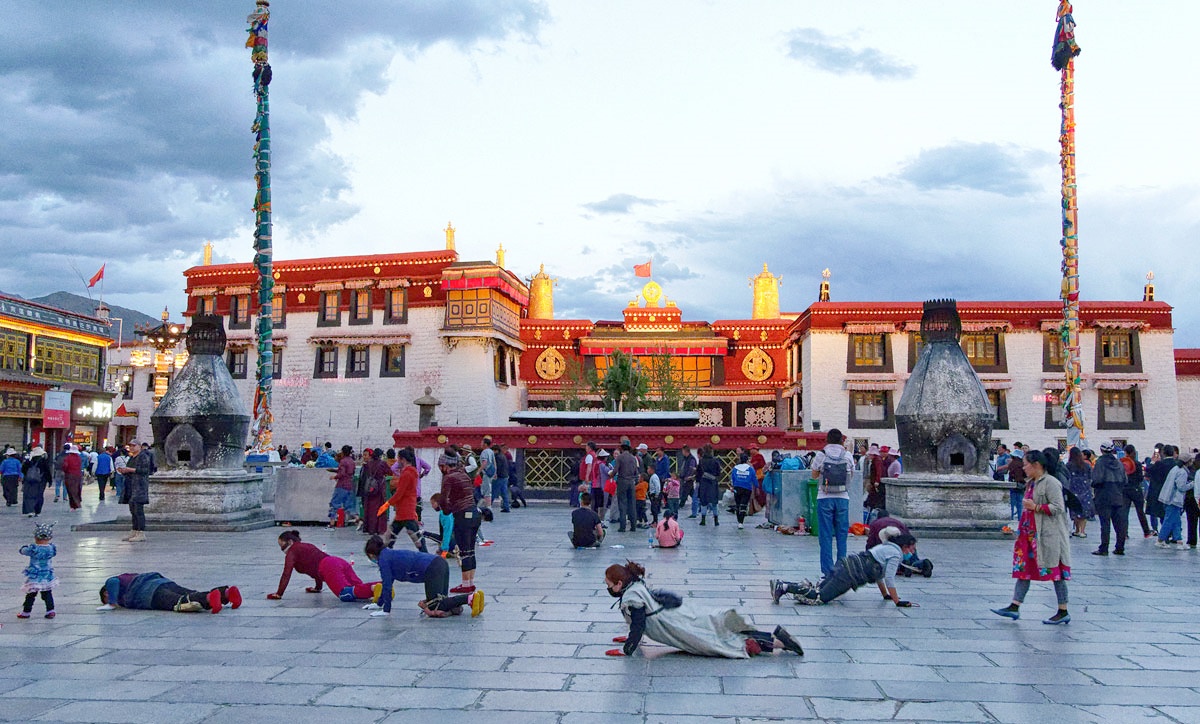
[910,147]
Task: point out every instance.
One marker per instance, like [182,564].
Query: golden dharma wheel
[715,439]
[669,439]
[578,439]
[533,439]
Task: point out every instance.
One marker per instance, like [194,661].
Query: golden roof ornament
[207,257]
[449,236]
[541,295]
[1148,290]
[824,295]
[500,256]
[766,295]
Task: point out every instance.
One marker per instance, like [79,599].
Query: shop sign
[93,411]
[56,409]
[20,404]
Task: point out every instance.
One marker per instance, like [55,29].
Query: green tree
[669,390]
[624,386]
[580,383]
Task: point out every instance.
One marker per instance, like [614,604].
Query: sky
[911,148]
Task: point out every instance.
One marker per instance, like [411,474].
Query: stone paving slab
[536,655]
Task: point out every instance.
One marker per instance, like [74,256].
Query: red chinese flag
[96,277]
[641,270]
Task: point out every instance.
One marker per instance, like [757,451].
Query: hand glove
[273,597]
[382,509]
[372,607]
[313,589]
[376,614]
[106,607]
[614,652]
[905,604]
[620,639]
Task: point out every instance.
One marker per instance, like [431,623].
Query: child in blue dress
[39,574]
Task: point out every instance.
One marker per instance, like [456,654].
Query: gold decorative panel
[550,364]
[757,365]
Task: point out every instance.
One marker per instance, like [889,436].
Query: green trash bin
[811,517]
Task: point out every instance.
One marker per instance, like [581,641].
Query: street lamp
[164,338]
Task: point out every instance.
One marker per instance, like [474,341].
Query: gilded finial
[449,236]
[500,256]
[166,315]
[1148,290]
[541,295]
[208,249]
[824,295]
[766,295]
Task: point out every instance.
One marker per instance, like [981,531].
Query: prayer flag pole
[257,42]
[1063,59]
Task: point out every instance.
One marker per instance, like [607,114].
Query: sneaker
[478,601]
[1118,553]
[1161,544]
[189,607]
[464,588]
[234,596]
[1059,618]
[214,600]
[693,515]
[23,614]
[740,526]
[50,614]
[789,643]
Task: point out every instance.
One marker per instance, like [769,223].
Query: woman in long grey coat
[666,618]
[1042,551]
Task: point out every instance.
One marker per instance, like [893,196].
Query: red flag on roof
[96,277]
[641,270]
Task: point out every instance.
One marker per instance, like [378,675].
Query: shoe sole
[478,601]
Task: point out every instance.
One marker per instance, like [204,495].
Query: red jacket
[72,465]
[404,500]
[303,557]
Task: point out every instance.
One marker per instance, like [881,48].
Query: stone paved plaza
[1132,652]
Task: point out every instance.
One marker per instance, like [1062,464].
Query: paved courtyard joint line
[1131,652]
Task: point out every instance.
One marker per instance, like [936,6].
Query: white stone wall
[1189,411]
[365,411]
[1163,400]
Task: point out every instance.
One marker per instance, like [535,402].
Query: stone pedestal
[208,500]
[950,506]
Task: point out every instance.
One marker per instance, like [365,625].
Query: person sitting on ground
[417,567]
[668,534]
[586,530]
[309,560]
[877,565]
[155,592]
[664,617]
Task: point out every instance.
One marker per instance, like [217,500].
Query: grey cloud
[127,125]
[620,204]
[823,52]
[991,167]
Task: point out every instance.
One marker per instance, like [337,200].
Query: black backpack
[34,473]
[834,474]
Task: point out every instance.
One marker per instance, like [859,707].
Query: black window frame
[356,315]
[358,361]
[1135,351]
[239,306]
[1049,339]
[323,319]
[1001,364]
[852,364]
[1001,408]
[325,362]
[276,362]
[388,306]
[1139,417]
[237,360]
[386,357]
[889,411]
[279,309]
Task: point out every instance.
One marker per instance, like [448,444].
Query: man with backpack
[832,467]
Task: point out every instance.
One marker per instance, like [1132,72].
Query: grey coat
[137,484]
[716,633]
[1053,540]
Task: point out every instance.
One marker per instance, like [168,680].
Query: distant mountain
[82,305]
